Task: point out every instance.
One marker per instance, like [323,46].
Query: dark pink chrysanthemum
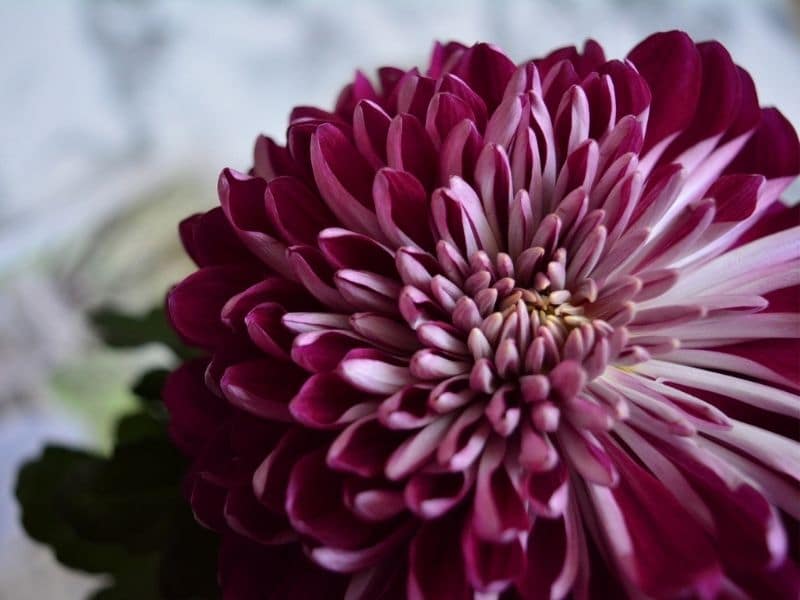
[512,330]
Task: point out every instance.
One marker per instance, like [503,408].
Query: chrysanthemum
[513,330]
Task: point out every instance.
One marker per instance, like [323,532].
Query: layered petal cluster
[496,330]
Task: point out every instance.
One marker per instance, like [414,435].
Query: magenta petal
[370,128]
[655,543]
[295,212]
[335,558]
[459,218]
[195,304]
[246,516]
[326,401]
[305,114]
[318,351]
[432,494]
[207,501]
[498,512]
[316,275]
[353,93]
[671,64]
[556,83]
[487,71]
[270,289]
[298,140]
[385,580]
[548,491]
[749,532]
[417,449]
[775,218]
[632,93]
[491,566]
[347,250]
[749,113]
[493,176]
[315,507]
[458,87]
[678,237]
[367,291]
[408,148]
[266,330]
[735,196]
[719,100]
[601,103]
[344,180]
[465,440]
[778,354]
[781,582]
[552,559]
[374,372]
[389,77]
[773,151]
[244,567]
[445,112]
[373,501]
[235,350]
[417,268]
[626,136]
[271,478]
[407,408]
[536,450]
[230,457]
[384,332]
[364,447]
[459,152]
[401,204]
[587,456]
[413,95]
[436,569]
[443,57]
[195,413]
[660,191]
[242,199]
[262,387]
[589,60]
[209,239]
[271,160]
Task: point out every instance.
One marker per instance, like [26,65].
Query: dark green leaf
[119,330]
[148,390]
[123,515]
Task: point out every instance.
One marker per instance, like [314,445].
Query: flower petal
[326,401]
[344,180]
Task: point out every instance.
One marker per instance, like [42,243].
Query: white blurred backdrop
[117,115]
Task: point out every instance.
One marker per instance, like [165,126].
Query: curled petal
[364,447]
[344,180]
[327,402]
[242,200]
[195,305]
[672,67]
[262,387]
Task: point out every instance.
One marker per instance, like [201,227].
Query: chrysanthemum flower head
[514,330]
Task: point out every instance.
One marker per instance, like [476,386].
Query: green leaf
[119,330]
[123,515]
[148,390]
[44,490]
[138,578]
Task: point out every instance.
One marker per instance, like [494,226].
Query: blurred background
[117,115]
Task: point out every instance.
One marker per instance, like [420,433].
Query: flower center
[527,320]
[538,337]
[552,309]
